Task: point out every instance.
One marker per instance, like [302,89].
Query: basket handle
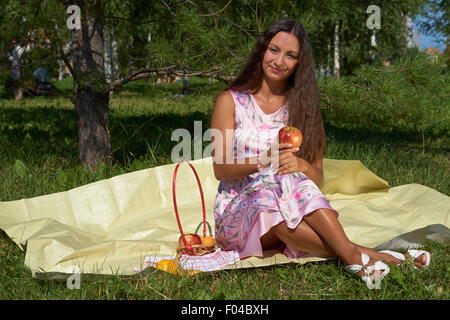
[175,199]
[209,228]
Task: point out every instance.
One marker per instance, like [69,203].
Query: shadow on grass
[42,132]
[396,138]
[49,132]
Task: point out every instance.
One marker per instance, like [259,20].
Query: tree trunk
[329,59]
[90,97]
[108,55]
[373,44]
[147,65]
[61,69]
[336,51]
[115,54]
[94,144]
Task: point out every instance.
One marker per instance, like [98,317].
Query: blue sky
[426,41]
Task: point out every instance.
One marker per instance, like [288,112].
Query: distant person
[186,87]
[43,82]
[43,79]
[15,80]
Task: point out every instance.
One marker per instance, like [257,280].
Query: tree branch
[133,21]
[248,32]
[217,12]
[67,63]
[3,69]
[170,70]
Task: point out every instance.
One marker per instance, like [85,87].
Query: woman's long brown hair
[302,89]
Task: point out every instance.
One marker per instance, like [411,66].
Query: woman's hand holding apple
[290,163]
[281,153]
[290,140]
[277,155]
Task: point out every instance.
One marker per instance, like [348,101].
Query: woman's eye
[273,49]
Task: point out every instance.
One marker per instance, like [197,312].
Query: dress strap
[241,99]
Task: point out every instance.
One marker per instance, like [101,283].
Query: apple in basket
[292,135]
[192,239]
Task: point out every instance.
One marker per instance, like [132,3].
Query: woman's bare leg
[327,226]
[305,238]
[328,238]
[323,221]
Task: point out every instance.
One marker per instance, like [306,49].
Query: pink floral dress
[247,208]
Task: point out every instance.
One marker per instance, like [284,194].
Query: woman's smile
[275,70]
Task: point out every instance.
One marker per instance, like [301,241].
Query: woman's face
[281,57]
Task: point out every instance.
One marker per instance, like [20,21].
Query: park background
[385,101]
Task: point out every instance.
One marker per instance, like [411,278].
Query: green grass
[38,155]
[313,280]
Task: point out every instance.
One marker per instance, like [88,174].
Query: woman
[268,194]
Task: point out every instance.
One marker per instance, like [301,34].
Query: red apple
[192,239]
[290,135]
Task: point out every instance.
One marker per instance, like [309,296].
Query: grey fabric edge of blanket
[413,239]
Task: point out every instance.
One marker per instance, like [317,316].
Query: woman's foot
[419,262]
[420,256]
[367,268]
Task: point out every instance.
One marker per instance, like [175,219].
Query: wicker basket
[195,250]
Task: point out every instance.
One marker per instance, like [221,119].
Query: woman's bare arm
[314,171]
[225,166]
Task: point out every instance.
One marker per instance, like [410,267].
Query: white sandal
[412,253]
[368,276]
[417,253]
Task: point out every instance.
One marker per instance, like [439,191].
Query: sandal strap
[355,268]
[377,266]
[398,255]
[417,253]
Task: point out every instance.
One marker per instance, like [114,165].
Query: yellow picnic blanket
[110,226]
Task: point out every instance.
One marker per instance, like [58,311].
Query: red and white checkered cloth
[216,260]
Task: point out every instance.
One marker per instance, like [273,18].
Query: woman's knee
[303,238]
[271,239]
[322,214]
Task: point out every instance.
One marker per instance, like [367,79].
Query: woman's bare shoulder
[225,102]
[223,114]
[225,96]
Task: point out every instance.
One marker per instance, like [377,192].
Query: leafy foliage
[411,97]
